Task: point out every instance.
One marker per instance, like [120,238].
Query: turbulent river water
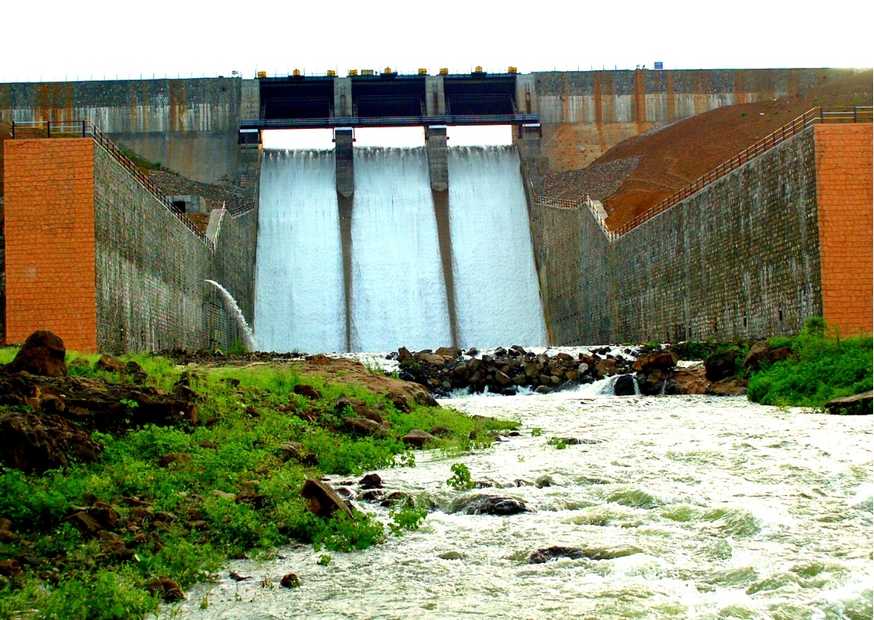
[716,507]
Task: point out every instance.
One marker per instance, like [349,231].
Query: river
[714,507]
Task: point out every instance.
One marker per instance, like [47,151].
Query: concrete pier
[435,146]
[343,140]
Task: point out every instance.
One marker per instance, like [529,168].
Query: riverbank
[125,481]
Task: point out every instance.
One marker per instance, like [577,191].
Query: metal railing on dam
[86,129]
[814,116]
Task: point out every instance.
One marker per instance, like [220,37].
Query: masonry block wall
[151,269]
[50,249]
[739,259]
[843,185]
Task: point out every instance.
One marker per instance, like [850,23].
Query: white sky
[101,39]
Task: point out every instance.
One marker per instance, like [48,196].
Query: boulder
[691,380]
[721,365]
[364,426]
[624,386]
[10,568]
[652,382]
[371,481]
[661,360]
[488,505]
[35,443]
[859,404]
[542,556]
[41,354]
[728,387]
[292,450]
[322,500]
[762,354]
[605,367]
[167,589]
[417,438]
[290,581]
[109,363]
[307,391]
[449,352]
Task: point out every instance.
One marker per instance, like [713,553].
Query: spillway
[299,300]
[398,293]
[386,238]
[496,286]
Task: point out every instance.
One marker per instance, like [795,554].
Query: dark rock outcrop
[322,500]
[542,556]
[35,443]
[859,404]
[721,365]
[417,438]
[624,386]
[761,354]
[41,354]
[489,505]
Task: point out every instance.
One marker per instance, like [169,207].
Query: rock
[450,352]
[431,358]
[371,495]
[6,533]
[292,450]
[582,370]
[451,555]
[691,380]
[553,553]
[290,581]
[167,589]
[728,387]
[109,364]
[307,391]
[661,360]
[761,354]
[860,404]
[396,497]
[508,391]
[605,368]
[404,355]
[721,365]
[237,576]
[174,457]
[10,568]
[624,386]
[502,379]
[41,354]
[543,481]
[91,520]
[417,438]
[543,389]
[371,481]
[112,545]
[322,500]
[35,443]
[488,505]
[364,426]
[473,352]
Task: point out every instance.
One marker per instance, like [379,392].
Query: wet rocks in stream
[505,371]
[488,505]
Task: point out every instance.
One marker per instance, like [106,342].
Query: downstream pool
[702,507]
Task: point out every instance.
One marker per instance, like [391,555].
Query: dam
[149,189]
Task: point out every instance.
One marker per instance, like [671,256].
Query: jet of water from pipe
[232,307]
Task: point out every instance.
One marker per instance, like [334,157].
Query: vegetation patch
[172,503]
[825,366]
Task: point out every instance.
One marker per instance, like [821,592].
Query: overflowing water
[368,274]
[496,284]
[688,506]
[398,294]
[299,301]
[234,309]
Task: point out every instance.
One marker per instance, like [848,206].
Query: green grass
[232,453]
[826,367]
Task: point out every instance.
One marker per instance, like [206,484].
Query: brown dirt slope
[673,156]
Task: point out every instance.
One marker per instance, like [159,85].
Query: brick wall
[739,259]
[843,185]
[49,225]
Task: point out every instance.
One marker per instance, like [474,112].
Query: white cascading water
[234,309]
[299,301]
[398,293]
[496,286]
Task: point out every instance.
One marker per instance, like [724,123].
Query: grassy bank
[824,366]
[188,498]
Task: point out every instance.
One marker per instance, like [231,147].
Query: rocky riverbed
[672,507]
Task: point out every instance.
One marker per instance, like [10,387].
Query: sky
[52,41]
